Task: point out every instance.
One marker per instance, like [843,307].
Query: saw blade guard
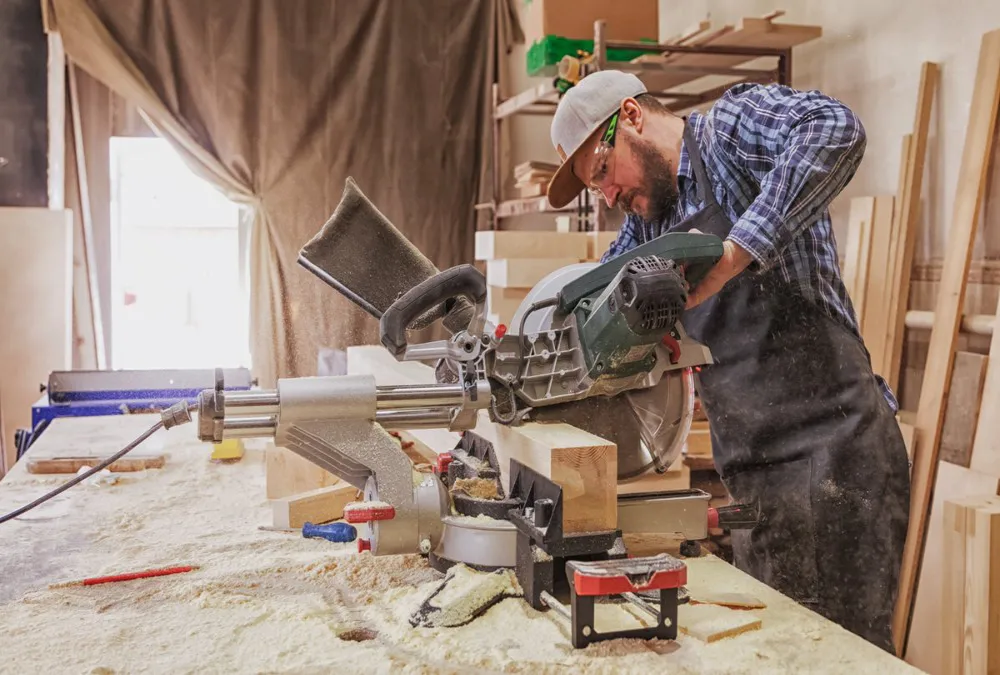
[648,417]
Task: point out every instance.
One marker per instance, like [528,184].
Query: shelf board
[542,94]
[521,207]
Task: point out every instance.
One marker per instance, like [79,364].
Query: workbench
[273,601]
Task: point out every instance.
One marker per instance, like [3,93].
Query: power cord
[179,413]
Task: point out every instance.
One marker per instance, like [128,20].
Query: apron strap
[702,184]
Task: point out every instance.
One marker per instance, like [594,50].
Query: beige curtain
[278,102]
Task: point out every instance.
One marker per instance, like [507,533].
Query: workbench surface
[272,601]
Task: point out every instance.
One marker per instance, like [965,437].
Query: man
[801,426]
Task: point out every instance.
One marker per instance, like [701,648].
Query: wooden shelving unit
[684,72]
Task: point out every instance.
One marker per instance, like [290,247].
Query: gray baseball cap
[581,112]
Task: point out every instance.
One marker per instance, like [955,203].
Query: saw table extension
[265,601]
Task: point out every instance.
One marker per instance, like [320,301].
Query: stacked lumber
[917,624]
[517,260]
[532,178]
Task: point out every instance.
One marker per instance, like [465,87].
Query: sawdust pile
[277,602]
[477,488]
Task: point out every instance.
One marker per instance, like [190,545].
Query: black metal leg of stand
[533,574]
[583,617]
[666,629]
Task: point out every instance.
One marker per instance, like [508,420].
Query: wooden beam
[986,443]
[858,254]
[316,506]
[877,295]
[905,227]
[951,296]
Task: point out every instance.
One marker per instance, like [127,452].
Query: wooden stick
[951,297]
[145,574]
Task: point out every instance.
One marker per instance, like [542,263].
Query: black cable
[172,416]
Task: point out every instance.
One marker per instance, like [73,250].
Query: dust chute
[353,251]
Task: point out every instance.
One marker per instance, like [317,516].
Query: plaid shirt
[778,156]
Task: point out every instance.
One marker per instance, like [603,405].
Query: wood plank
[500,244]
[859,253]
[962,412]
[524,272]
[878,293]
[287,473]
[585,466]
[947,314]
[74,464]
[677,477]
[36,303]
[924,648]
[953,586]
[96,438]
[986,443]
[907,221]
[711,623]
[323,505]
[981,646]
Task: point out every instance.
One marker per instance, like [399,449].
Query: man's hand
[734,260]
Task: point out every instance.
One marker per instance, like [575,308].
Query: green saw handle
[462,280]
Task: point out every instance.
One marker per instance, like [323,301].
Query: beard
[657,188]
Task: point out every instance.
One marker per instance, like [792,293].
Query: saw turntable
[596,346]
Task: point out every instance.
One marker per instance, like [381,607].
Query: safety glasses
[602,165]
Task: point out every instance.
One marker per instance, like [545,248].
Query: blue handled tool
[336,532]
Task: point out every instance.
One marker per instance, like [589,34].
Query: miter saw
[598,346]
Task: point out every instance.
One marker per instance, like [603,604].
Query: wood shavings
[477,488]
[712,622]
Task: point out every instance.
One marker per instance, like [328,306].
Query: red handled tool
[145,574]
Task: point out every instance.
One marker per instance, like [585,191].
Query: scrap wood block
[500,244]
[729,599]
[970,616]
[286,473]
[523,272]
[710,623]
[316,506]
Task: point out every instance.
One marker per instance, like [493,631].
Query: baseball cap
[581,111]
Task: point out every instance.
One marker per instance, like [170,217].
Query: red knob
[366,512]
[364,545]
[713,518]
[500,331]
[444,459]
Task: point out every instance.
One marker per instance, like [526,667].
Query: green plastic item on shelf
[544,55]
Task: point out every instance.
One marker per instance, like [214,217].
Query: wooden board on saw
[524,272]
[677,477]
[976,155]
[500,244]
[86,441]
[584,465]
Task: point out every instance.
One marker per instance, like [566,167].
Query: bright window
[180,296]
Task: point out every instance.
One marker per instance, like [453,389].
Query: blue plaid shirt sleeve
[629,236]
[801,147]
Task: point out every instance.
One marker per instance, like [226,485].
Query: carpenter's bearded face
[629,171]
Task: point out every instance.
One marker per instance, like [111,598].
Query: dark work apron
[800,429]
